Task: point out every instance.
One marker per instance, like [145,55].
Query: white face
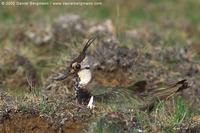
[85,76]
[84,72]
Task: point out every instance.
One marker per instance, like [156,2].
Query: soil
[23,123]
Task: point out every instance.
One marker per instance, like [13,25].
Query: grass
[181,112]
[175,22]
[172,116]
[43,106]
[166,117]
[102,127]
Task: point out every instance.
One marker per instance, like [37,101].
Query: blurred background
[153,40]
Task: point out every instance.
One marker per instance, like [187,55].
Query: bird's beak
[64,75]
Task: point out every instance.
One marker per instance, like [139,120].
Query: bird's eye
[78,66]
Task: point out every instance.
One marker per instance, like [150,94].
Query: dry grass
[160,31]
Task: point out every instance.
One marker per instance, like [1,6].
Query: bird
[81,69]
[140,94]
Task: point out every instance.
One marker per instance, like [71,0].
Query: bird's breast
[85,77]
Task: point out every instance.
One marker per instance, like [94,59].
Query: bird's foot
[91,103]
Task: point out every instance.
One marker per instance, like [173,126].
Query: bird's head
[79,63]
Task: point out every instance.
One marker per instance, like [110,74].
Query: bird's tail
[162,93]
[165,92]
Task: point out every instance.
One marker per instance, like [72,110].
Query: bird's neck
[81,94]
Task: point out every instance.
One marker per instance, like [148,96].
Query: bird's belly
[85,77]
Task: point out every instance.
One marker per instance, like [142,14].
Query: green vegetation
[157,25]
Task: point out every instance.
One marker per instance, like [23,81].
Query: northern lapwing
[80,67]
[139,94]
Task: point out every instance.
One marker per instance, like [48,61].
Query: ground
[156,41]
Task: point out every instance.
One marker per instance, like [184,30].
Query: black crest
[81,57]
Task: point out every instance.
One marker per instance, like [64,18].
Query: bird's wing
[117,98]
[138,87]
[125,98]
[165,91]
